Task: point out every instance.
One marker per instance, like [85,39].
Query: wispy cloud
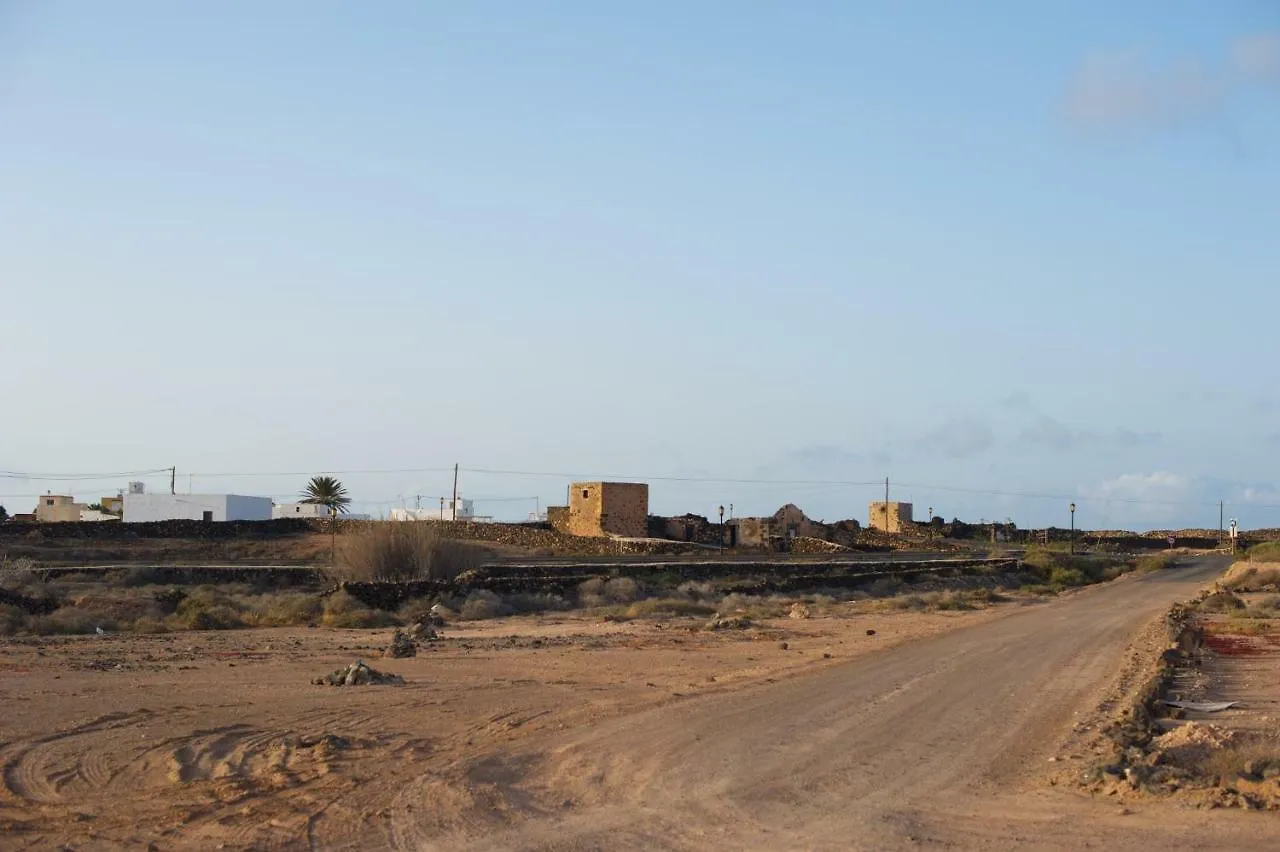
[1124,89]
[1129,89]
[959,439]
[1046,432]
[1017,401]
[1257,56]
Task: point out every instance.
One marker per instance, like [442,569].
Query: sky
[1007,255]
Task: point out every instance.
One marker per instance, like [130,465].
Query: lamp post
[1071,546]
[722,529]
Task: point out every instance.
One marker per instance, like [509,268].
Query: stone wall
[558,518]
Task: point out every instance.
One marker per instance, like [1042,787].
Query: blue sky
[1011,248]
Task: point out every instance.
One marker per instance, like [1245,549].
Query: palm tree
[328,491]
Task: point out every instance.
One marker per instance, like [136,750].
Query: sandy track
[943,742]
[567,733]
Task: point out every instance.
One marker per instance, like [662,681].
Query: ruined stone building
[889,517]
[603,509]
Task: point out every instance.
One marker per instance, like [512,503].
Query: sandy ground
[560,733]
[218,740]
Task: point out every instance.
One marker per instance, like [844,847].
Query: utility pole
[455,491]
[442,508]
[1219,520]
[173,480]
[886,504]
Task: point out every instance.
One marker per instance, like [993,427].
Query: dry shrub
[406,550]
[342,610]
[1153,562]
[1252,576]
[66,621]
[883,587]
[12,620]
[1222,602]
[138,575]
[1267,551]
[664,606]
[481,604]
[521,602]
[753,606]
[1268,606]
[20,576]
[618,590]
[696,590]
[1239,759]
[288,609]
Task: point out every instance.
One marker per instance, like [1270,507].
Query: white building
[309,510]
[140,508]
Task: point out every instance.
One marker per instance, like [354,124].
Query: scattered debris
[799,610]
[402,645]
[325,740]
[358,674]
[1202,706]
[719,622]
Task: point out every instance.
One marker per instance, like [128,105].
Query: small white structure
[299,510]
[443,512]
[309,510]
[95,515]
[141,508]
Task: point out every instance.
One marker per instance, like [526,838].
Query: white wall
[242,508]
[299,510]
[140,508]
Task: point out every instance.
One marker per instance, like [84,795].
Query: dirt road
[940,743]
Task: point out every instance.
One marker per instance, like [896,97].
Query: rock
[871,633]
[826,655]
[358,674]
[783,645]
[799,610]
[1135,775]
[1256,768]
[402,645]
[424,631]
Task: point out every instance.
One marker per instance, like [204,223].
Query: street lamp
[722,529]
[1071,547]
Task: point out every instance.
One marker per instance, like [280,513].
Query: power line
[77,477]
[634,478]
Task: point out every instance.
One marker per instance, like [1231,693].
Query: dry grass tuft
[1252,577]
[405,550]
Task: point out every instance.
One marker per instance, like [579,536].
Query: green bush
[1062,577]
